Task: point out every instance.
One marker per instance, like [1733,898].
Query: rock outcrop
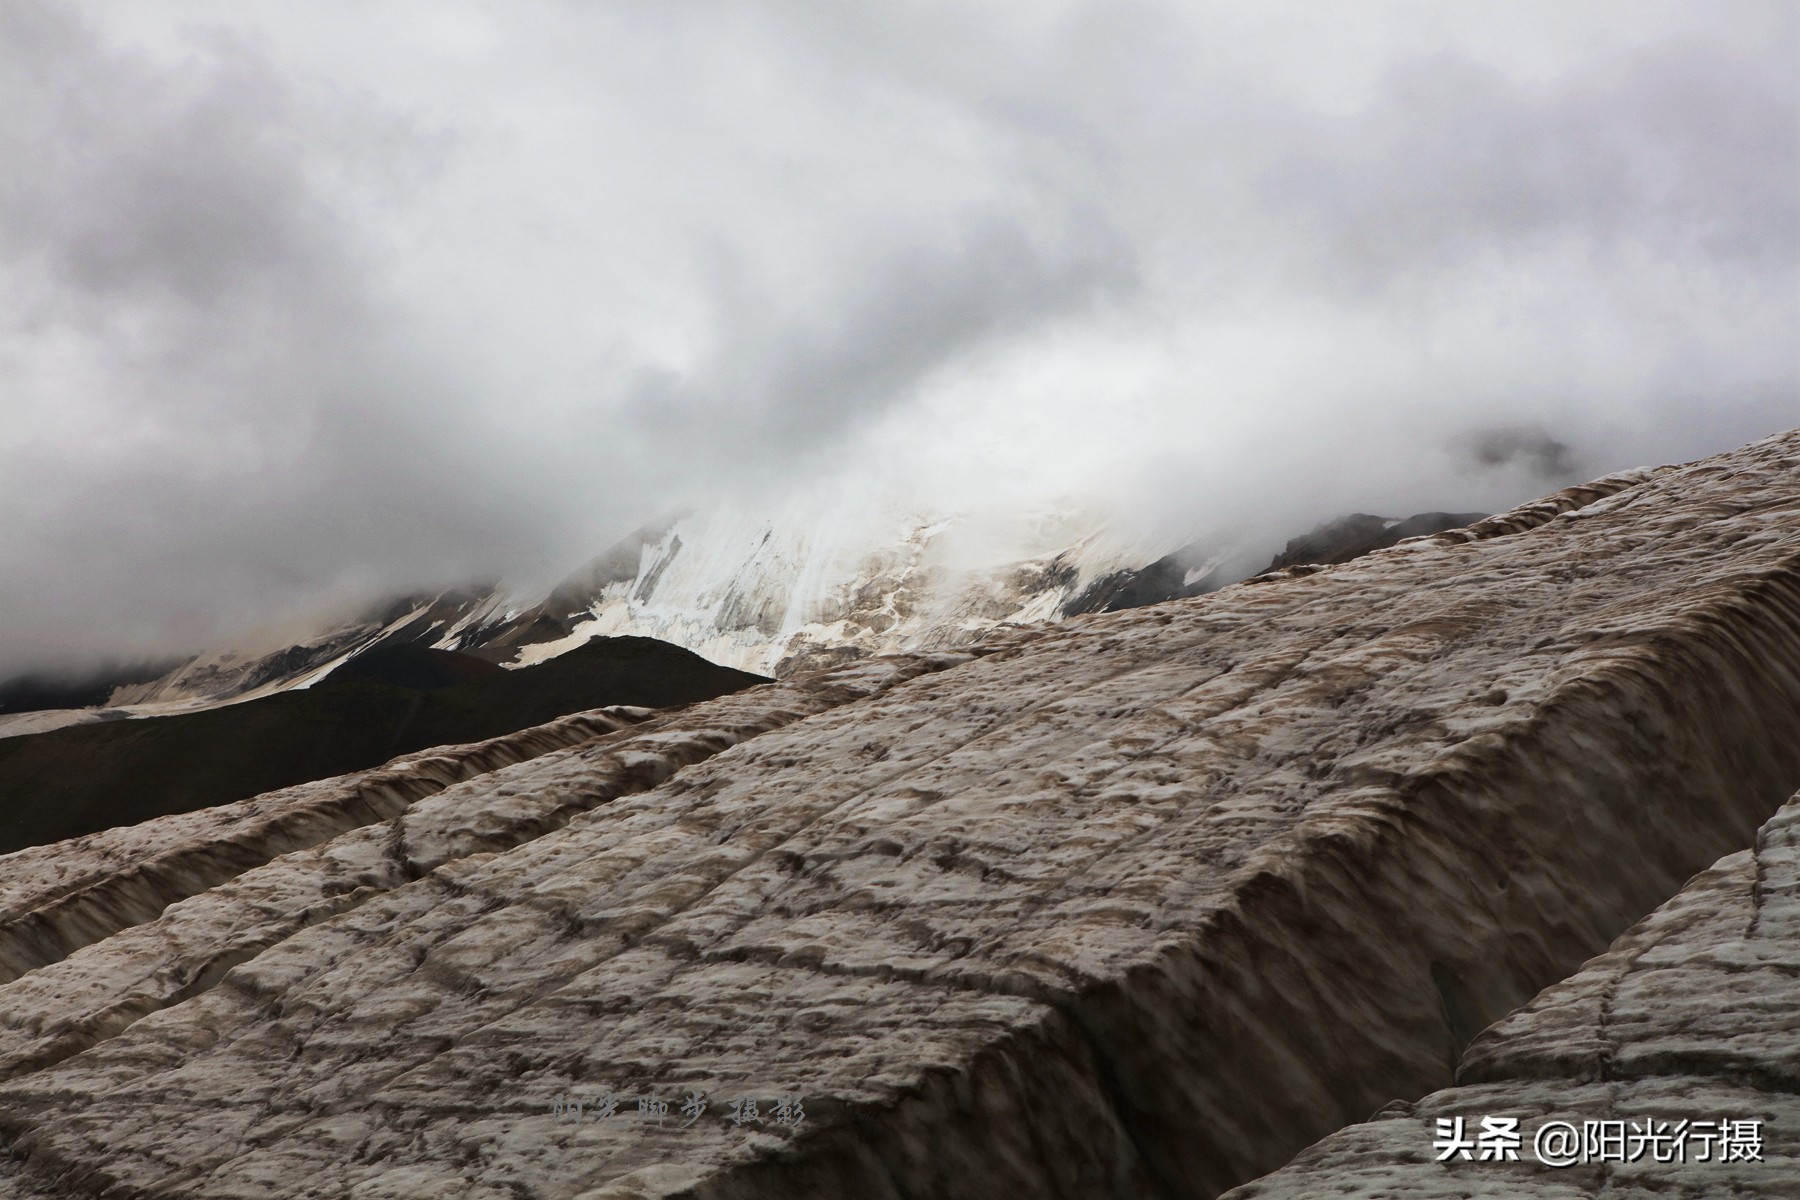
[1691,1020]
[1139,905]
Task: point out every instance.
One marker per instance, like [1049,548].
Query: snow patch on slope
[770,593]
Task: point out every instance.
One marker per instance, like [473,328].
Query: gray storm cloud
[306,302]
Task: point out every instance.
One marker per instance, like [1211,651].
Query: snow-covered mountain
[774,592]
[773,595]
[768,593]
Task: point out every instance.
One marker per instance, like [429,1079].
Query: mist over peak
[311,305]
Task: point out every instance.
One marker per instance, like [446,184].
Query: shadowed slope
[72,781]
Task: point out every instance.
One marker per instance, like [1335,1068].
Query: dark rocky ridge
[411,620]
[393,700]
[409,666]
[1164,579]
[1358,534]
[1187,572]
[40,690]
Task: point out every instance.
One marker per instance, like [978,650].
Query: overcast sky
[301,300]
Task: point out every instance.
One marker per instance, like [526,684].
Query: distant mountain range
[766,596]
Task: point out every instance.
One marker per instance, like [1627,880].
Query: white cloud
[308,298]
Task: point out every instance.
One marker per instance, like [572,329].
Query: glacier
[1137,904]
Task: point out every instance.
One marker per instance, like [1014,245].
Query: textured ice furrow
[37,875]
[1139,905]
[66,895]
[63,1008]
[1694,1013]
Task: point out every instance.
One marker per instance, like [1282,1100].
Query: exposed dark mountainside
[1136,906]
[41,690]
[750,604]
[1358,534]
[459,616]
[393,700]
[1175,576]
[409,666]
[1190,572]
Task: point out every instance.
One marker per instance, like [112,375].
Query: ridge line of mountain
[618,593]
